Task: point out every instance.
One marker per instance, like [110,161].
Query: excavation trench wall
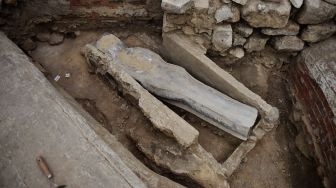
[26,18]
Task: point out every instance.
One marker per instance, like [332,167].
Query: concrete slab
[36,120]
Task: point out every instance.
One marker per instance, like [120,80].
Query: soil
[275,161]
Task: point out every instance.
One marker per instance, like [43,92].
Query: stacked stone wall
[236,27]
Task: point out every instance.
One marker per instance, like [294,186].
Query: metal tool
[45,170]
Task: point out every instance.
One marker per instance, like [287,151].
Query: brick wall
[318,119]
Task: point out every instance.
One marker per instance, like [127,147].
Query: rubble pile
[234,27]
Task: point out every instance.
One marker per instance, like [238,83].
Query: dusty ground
[275,162]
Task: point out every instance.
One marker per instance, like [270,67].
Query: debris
[58,77]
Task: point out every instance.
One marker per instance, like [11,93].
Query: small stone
[28,45]
[296,3]
[256,42]
[201,5]
[241,2]
[316,33]
[243,29]
[291,28]
[56,38]
[238,40]
[315,12]
[237,52]
[222,37]
[77,33]
[188,30]
[288,43]
[266,14]
[176,6]
[227,13]
[54,28]
[43,37]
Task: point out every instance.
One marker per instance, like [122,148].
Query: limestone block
[256,42]
[259,13]
[228,13]
[291,28]
[222,37]
[243,29]
[315,33]
[201,5]
[288,43]
[176,6]
[238,40]
[315,12]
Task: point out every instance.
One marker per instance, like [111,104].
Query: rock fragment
[315,12]
[28,45]
[288,43]
[241,2]
[228,13]
[266,14]
[222,38]
[256,42]
[296,3]
[56,38]
[238,40]
[316,33]
[291,28]
[237,52]
[176,6]
[201,5]
[243,29]
[43,37]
